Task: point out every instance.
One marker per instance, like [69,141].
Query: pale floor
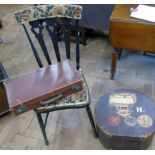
[67,129]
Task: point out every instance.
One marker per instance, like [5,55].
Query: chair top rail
[48,11]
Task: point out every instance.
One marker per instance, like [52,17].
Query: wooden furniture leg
[119,51]
[116,55]
[113,63]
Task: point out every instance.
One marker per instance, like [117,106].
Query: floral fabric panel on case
[77,99]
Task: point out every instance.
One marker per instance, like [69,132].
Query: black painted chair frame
[51,26]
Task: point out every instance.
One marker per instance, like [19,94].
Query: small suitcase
[27,91]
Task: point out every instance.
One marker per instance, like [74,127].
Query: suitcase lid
[40,84]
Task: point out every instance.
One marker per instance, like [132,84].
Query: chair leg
[42,127]
[91,120]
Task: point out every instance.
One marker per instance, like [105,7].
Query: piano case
[27,91]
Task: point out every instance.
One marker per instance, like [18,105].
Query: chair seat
[75,100]
[42,84]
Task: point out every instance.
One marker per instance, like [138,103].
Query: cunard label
[122,99]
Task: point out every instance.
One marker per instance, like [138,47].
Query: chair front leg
[91,120]
[42,126]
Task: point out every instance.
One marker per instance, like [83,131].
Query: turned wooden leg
[113,63]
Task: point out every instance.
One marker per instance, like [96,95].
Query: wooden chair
[48,17]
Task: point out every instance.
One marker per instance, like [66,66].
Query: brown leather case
[27,91]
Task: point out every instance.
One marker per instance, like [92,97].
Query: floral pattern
[77,99]
[48,11]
